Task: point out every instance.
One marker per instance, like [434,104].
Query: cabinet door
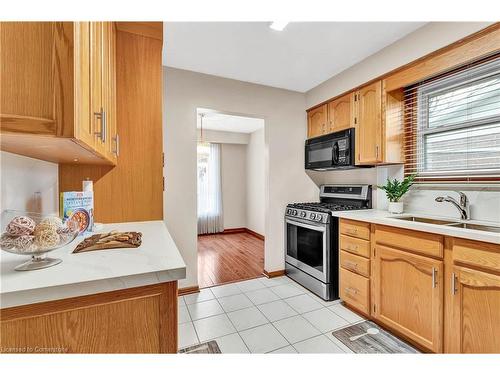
[339,113]
[36,78]
[476,311]
[96,85]
[316,121]
[408,295]
[84,118]
[108,88]
[369,124]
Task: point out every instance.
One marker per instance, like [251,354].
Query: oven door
[307,248]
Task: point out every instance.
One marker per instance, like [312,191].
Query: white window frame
[477,73]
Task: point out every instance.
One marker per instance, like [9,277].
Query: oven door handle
[318,228]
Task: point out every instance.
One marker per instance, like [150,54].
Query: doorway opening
[230,197]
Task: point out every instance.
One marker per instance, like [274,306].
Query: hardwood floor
[224,258]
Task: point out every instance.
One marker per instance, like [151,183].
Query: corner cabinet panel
[476,311]
[369,124]
[317,121]
[408,295]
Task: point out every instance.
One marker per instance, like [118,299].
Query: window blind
[452,125]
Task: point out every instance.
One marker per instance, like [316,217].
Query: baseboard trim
[188,290]
[255,234]
[272,274]
[234,230]
[237,230]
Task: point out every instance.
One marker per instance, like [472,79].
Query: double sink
[450,223]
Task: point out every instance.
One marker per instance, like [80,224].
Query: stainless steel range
[312,237]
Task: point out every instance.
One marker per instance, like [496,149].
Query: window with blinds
[453,125]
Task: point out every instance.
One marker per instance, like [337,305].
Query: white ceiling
[213,120]
[298,58]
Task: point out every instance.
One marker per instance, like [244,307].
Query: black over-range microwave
[330,151]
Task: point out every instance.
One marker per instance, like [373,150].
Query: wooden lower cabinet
[440,293]
[136,320]
[408,295]
[474,312]
[355,290]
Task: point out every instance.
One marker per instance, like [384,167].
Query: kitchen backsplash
[28,184]
[484,201]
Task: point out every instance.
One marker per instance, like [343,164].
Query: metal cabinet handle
[101,116]
[352,231]
[116,139]
[104,126]
[453,283]
[434,277]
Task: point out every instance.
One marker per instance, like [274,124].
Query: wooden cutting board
[111,240]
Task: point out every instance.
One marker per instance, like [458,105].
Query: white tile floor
[263,316]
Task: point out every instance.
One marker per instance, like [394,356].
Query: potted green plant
[395,190]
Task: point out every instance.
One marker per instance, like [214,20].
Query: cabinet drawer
[356,229]
[355,246]
[412,240]
[355,263]
[480,254]
[355,290]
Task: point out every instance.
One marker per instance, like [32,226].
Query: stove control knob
[319,217]
[294,212]
[303,214]
[312,216]
[288,211]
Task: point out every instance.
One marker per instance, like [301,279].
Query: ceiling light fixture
[278,25]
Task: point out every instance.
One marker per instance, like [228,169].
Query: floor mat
[210,347]
[367,337]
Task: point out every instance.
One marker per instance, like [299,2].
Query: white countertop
[157,260]
[385,218]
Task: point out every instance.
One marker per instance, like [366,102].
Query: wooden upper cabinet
[83,125]
[53,74]
[113,142]
[408,295]
[369,124]
[475,320]
[97,71]
[340,115]
[103,96]
[317,121]
[35,86]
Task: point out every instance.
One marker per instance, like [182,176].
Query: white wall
[28,184]
[285,131]
[255,203]
[421,42]
[417,44]
[234,185]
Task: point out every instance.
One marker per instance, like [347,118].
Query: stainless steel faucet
[462,206]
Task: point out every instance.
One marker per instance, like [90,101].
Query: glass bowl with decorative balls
[35,234]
